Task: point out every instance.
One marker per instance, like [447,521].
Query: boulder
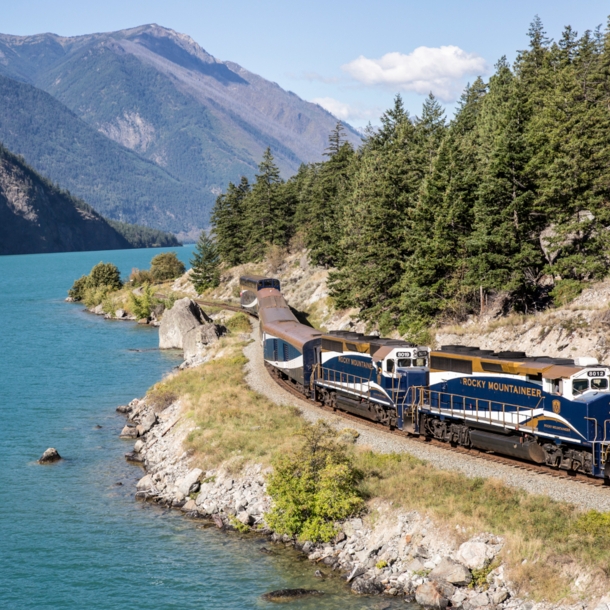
[145,483]
[499,596]
[191,479]
[364,586]
[245,518]
[129,432]
[198,338]
[185,315]
[98,310]
[148,421]
[120,313]
[482,599]
[429,596]
[452,572]
[473,555]
[49,456]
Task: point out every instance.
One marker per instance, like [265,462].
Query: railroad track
[489,457]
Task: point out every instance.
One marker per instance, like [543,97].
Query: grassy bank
[547,542]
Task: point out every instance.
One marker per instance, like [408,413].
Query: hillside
[158,93]
[37,217]
[114,180]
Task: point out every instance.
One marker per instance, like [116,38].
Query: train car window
[403,363]
[599,383]
[537,377]
[491,367]
[419,362]
[558,386]
[580,385]
[350,347]
[389,365]
[442,363]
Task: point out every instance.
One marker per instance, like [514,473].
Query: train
[552,411]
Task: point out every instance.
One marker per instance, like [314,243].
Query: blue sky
[352,57]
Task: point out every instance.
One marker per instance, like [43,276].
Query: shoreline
[402,554]
[397,553]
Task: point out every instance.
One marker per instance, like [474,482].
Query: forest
[432,219]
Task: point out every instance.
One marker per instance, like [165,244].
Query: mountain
[117,182]
[159,94]
[36,216]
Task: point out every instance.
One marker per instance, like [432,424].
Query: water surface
[70,535]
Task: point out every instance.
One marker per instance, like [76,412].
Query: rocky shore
[385,551]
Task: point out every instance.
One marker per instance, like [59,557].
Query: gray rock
[364,586]
[98,310]
[49,456]
[473,555]
[148,421]
[603,603]
[120,313]
[429,596]
[284,595]
[184,316]
[452,572]
[138,446]
[198,338]
[185,484]
[479,600]
[245,518]
[129,432]
[145,483]
[499,596]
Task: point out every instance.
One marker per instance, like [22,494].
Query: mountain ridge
[157,92]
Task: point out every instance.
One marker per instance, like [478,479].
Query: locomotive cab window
[580,385]
[557,386]
[599,383]
[403,362]
[419,362]
[389,365]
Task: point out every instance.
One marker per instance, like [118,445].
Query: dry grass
[233,423]
[542,534]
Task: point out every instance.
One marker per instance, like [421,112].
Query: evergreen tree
[504,250]
[268,211]
[230,228]
[205,264]
[376,219]
[442,222]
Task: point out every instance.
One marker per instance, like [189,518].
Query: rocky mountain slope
[114,180]
[36,216]
[158,93]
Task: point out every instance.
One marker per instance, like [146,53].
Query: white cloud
[426,69]
[345,112]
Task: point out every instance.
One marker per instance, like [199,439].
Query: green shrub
[95,295]
[239,323]
[313,487]
[166,266]
[77,292]
[139,277]
[566,291]
[105,274]
[142,306]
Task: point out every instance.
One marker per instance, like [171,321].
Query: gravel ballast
[580,494]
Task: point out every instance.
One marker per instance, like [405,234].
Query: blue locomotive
[550,411]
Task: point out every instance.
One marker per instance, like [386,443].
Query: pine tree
[376,220]
[205,264]
[442,222]
[269,210]
[230,229]
[504,250]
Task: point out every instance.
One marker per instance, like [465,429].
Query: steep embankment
[36,216]
[581,328]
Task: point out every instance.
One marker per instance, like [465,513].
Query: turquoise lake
[71,534]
